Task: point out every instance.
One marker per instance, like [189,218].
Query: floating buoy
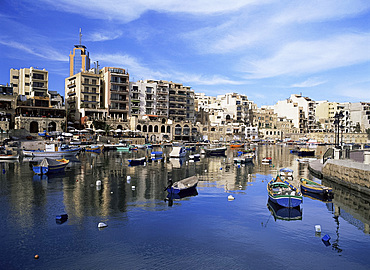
[102,225]
[240,186]
[133,187]
[3,171]
[98,183]
[230,197]
[238,165]
[128,177]
[91,165]
[76,180]
[111,192]
[326,238]
[205,170]
[36,257]
[221,169]
[318,228]
[62,217]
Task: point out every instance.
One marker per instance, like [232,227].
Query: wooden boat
[52,150]
[283,193]
[95,148]
[8,155]
[286,173]
[219,151]
[178,152]
[183,186]
[49,165]
[267,160]
[304,152]
[314,187]
[137,161]
[284,213]
[172,196]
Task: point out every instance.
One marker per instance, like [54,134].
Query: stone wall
[349,173]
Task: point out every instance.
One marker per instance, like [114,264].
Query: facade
[291,110]
[308,107]
[84,98]
[143,99]
[115,89]
[360,114]
[7,108]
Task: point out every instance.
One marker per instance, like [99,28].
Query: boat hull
[41,153]
[284,213]
[136,162]
[216,151]
[286,201]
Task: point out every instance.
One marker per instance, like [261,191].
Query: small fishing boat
[156,154]
[267,160]
[194,157]
[283,193]
[314,187]
[8,155]
[178,152]
[218,151]
[95,148]
[284,213]
[183,186]
[137,161]
[244,158]
[286,173]
[306,160]
[49,165]
[238,145]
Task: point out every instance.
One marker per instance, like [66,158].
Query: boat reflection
[326,198]
[174,197]
[284,213]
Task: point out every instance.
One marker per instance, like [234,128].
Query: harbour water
[147,231]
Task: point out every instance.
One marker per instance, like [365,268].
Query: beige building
[7,108]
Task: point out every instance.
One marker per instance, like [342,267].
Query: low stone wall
[349,173]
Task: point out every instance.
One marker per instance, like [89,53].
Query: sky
[265,49]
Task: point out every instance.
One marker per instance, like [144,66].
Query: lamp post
[337,118]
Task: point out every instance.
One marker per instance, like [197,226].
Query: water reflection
[284,213]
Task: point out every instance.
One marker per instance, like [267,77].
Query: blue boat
[183,186]
[49,165]
[155,154]
[283,193]
[314,187]
[286,173]
[95,148]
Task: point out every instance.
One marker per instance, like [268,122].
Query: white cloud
[310,82]
[39,50]
[308,57]
[103,35]
[362,94]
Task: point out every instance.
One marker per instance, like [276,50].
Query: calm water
[144,231]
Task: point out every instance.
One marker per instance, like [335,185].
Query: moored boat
[49,165]
[183,186]
[244,158]
[8,155]
[284,213]
[52,150]
[237,145]
[194,157]
[267,160]
[137,161]
[304,152]
[286,173]
[178,152]
[95,148]
[314,187]
[219,151]
[156,154]
[283,193]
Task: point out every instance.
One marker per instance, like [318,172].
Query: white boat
[194,157]
[178,152]
[52,150]
[306,160]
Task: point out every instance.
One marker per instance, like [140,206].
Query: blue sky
[264,49]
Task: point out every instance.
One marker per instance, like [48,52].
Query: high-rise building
[79,60]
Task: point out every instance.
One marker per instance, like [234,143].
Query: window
[86,81]
[93,81]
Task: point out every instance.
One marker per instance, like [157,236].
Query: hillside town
[103,101]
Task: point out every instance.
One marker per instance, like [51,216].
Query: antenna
[80,36]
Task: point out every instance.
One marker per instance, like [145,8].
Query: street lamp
[337,118]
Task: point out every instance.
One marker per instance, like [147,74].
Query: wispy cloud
[309,57]
[355,93]
[103,35]
[39,50]
[310,82]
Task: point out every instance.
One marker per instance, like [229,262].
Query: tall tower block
[79,59]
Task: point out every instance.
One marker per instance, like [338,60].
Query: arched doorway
[163,129]
[138,127]
[145,129]
[168,129]
[34,127]
[52,126]
[156,128]
[150,128]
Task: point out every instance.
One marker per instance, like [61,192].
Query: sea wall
[349,173]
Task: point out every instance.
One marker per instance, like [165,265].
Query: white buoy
[205,170]
[318,228]
[91,165]
[102,225]
[230,197]
[98,182]
[111,192]
[133,187]
[128,177]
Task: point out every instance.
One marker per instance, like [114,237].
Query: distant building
[360,114]
[7,107]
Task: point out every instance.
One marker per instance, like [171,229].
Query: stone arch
[150,129]
[119,127]
[178,129]
[34,127]
[163,129]
[228,117]
[213,129]
[145,128]
[138,127]
[163,121]
[168,129]
[156,128]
